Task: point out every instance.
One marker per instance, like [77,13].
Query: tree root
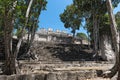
[110,73]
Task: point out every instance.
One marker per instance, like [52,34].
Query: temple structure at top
[48,35]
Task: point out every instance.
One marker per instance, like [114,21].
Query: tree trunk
[88,40]
[119,55]
[106,50]
[9,67]
[22,32]
[10,56]
[113,27]
[10,60]
[32,34]
[95,33]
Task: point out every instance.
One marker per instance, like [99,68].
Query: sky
[50,17]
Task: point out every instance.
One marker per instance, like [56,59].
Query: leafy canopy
[71,17]
[82,35]
[117,16]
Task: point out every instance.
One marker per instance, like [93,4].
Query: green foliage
[13,17]
[91,10]
[117,16]
[103,23]
[97,9]
[18,32]
[71,17]
[104,27]
[82,35]
[16,9]
[90,7]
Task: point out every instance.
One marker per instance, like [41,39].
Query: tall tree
[16,13]
[105,40]
[71,18]
[118,24]
[113,27]
[95,11]
[92,10]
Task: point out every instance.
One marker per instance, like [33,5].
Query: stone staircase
[59,62]
[53,52]
[64,58]
[32,67]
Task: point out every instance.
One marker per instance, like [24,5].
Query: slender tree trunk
[22,32]
[113,27]
[88,40]
[28,37]
[119,57]
[32,38]
[95,33]
[74,35]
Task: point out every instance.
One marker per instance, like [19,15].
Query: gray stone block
[3,77]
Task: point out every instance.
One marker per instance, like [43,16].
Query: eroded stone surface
[52,76]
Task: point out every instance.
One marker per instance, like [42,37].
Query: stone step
[54,76]
[32,66]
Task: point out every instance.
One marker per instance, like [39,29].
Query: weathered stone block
[51,76]
[62,76]
[3,77]
[24,77]
[39,77]
[13,77]
[72,76]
